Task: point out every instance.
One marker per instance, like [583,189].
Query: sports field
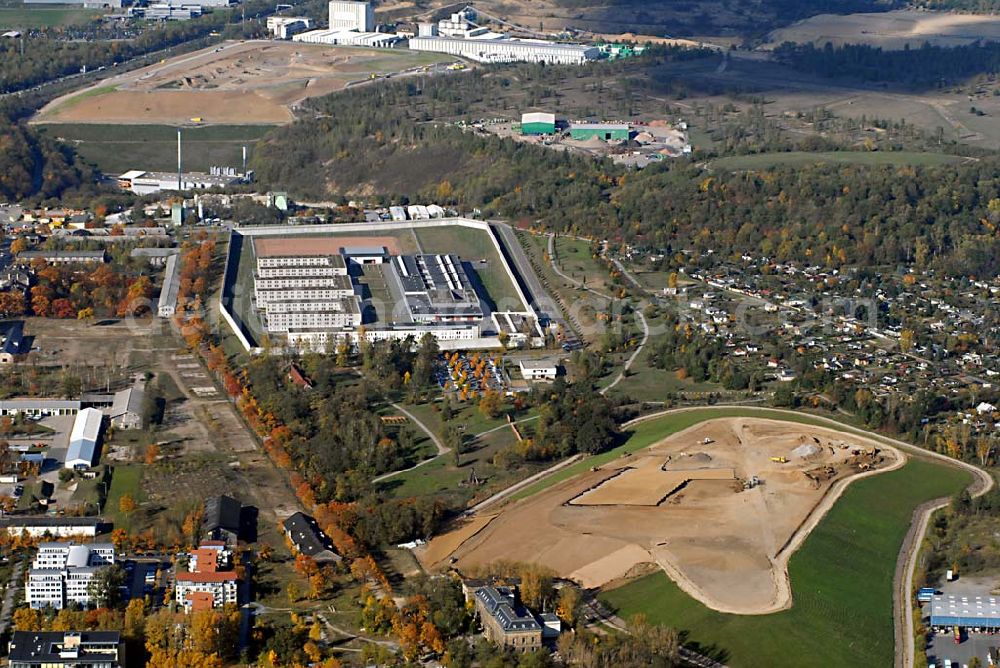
[114,149]
[798,159]
[719,506]
[841,583]
[237,83]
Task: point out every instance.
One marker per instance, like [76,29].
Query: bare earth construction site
[720,507]
[255,82]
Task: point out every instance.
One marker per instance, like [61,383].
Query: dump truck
[779,460]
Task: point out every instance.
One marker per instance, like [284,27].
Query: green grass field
[114,149]
[799,158]
[473,246]
[23,18]
[841,583]
[125,479]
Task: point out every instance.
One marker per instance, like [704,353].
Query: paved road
[540,298]
[8,598]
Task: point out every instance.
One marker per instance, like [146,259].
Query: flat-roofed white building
[351,15]
[538,369]
[320,339]
[503,50]
[339,37]
[142,182]
[63,572]
[335,263]
[283,27]
[333,314]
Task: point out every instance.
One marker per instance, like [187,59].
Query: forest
[35,166]
[926,67]
[383,140]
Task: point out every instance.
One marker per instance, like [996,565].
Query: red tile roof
[207,577]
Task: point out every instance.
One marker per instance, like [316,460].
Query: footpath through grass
[841,583]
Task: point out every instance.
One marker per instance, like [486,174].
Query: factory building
[145,183]
[495,48]
[968,612]
[538,123]
[603,131]
[166,11]
[350,15]
[351,24]
[378,40]
[435,289]
[284,27]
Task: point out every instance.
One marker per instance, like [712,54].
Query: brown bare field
[646,484]
[253,82]
[320,245]
[725,545]
[891,30]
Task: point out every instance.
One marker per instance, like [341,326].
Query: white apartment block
[270,261]
[221,587]
[334,315]
[309,270]
[265,298]
[62,573]
[58,555]
[307,305]
[342,283]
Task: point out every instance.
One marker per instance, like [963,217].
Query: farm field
[841,582]
[23,18]
[692,504]
[115,150]
[798,159]
[238,83]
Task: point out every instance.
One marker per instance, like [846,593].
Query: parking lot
[942,647]
[470,375]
